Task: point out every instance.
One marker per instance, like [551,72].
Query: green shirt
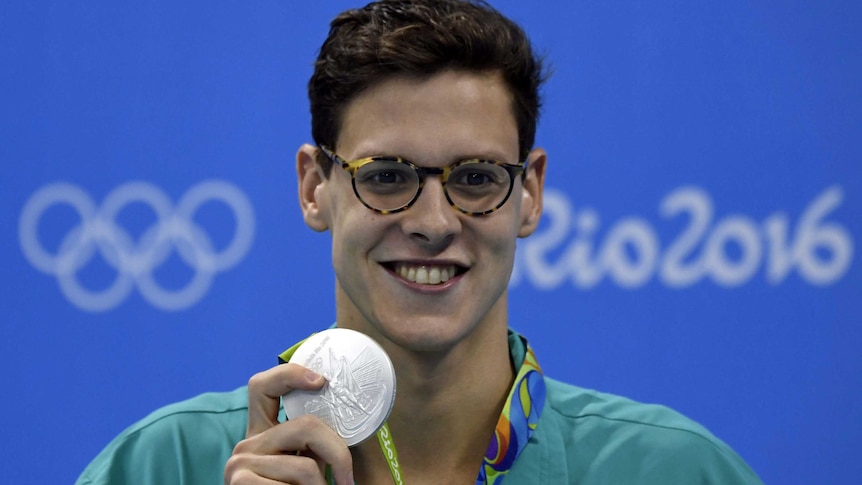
[583,437]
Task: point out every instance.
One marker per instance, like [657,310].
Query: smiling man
[423,171]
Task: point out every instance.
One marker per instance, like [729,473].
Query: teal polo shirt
[583,437]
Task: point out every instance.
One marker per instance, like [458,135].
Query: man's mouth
[426,274]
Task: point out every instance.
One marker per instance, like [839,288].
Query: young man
[424,173]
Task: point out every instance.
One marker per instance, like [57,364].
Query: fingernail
[312,376]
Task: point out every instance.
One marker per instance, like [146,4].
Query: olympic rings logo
[133,260]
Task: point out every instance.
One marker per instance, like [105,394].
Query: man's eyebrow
[475,153]
[449,160]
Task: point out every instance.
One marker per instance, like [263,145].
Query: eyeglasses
[392,184]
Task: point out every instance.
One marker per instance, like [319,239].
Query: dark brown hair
[421,37]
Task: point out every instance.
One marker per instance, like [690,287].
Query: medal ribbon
[517,422]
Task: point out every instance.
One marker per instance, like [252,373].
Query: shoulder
[598,409]
[614,439]
[184,442]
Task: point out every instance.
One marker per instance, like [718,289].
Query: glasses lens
[478,186]
[386,184]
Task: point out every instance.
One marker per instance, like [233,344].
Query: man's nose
[431,219]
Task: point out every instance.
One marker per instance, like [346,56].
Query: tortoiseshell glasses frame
[388,184]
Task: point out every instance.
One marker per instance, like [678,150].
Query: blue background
[747,114]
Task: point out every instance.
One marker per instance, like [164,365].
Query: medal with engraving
[360,383]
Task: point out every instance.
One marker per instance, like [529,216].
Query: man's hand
[296,451]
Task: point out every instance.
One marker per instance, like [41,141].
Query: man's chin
[426,334]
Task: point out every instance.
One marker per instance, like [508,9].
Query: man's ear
[312,188]
[531,195]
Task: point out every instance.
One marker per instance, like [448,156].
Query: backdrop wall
[699,247]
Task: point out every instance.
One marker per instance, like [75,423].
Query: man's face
[389,267]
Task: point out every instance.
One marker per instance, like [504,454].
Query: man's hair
[421,38]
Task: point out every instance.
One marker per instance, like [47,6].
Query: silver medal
[360,383]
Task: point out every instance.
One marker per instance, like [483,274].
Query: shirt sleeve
[179,444]
[681,457]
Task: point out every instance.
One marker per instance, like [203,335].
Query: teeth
[422,275]
[434,276]
[425,275]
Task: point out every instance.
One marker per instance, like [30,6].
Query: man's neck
[446,409]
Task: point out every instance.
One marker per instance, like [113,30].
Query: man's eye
[476,178]
[378,176]
[386,177]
